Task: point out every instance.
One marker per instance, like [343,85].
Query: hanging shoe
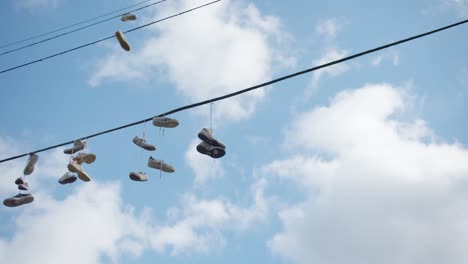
[18,200]
[122,41]
[20,180]
[140,176]
[68,177]
[23,186]
[206,135]
[165,122]
[212,151]
[159,165]
[81,157]
[128,17]
[75,167]
[77,146]
[141,142]
[31,162]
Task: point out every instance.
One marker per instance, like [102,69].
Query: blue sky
[362,162]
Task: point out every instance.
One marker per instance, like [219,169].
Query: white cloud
[32,5]
[459,6]
[378,190]
[329,27]
[210,52]
[204,167]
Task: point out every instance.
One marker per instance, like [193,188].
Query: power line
[78,29]
[103,39]
[73,25]
[289,76]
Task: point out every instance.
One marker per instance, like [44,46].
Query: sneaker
[140,176]
[77,146]
[165,122]
[31,162]
[160,165]
[75,167]
[206,135]
[67,178]
[20,180]
[122,41]
[81,157]
[18,200]
[23,186]
[128,17]
[141,142]
[212,151]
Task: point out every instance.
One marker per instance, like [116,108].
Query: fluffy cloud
[210,52]
[204,167]
[378,189]
[329,27]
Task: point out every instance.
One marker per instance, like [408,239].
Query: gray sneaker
[23,186]
[18,200]
[128,17]
[81,157]
[75,167]
[30,166]
[140,176]
[142,143]
[206,135]
[160,165]
[77,146]
[122,41]
[161,121]
[68,177]
[207,149]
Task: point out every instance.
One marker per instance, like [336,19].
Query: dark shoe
[207,149]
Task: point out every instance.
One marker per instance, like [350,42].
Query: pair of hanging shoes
[210,145]
[120,36]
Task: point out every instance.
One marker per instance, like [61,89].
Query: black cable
[73,25]
[100,40]
[80,28]
[246,89]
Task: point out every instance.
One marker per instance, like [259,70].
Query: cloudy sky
[362,162]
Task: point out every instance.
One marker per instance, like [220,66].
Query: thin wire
[70,26]
[103,39]
[280,79]
[80,28]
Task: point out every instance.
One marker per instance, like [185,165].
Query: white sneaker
[165,122]
[128,17]
[142,143]
[68,177]
[77,146]
[81,157]
[30,166]
[75,167]
[122,41]
[160,165]
[18,200]
[140,176]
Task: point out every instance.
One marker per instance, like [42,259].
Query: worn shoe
[75,167]
[140,176]
[206,135]
[23,186]
[77,146]
[165,122]
[67,178]
[122,41]
[160,165]
[207,149]
[128,17]
[20,180]
[81,157]
[142,143]
[18,200]
[30,166]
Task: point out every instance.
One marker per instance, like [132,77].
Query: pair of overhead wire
[277,80]
[77,29]
[109,37]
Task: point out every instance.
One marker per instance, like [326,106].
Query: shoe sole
[27,200]
[68,180]
[81,174]
[210,140]
[18,202]
[30,166]
[169,124]
[23,187]
[89,158]
[214,153]
[122,41]
[135,178]
[19,181]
